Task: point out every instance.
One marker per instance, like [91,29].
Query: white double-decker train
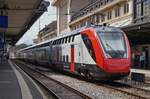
[99,52]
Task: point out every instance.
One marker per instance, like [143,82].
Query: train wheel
[89,76]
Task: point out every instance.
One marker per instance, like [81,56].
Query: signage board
[140,77]
[3,21]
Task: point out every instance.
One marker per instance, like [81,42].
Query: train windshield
[114,44]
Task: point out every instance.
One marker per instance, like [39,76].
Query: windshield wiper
[116,52]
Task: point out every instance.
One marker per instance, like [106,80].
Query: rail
[56,88]
[135,92]
[125,88]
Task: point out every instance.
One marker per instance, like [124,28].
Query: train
[97,52]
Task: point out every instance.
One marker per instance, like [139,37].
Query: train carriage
[99,52]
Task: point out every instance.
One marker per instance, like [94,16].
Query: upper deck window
[66,39]
[73,38]
[70,38]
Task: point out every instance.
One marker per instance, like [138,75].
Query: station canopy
[21,16]
[138,33]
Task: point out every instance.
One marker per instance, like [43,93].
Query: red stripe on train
[72,69]
[96,46]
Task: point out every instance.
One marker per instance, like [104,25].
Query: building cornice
[55,2]
[126,16]
[97,11]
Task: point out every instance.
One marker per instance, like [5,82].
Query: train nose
[117,65]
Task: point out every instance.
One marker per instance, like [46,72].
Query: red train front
[111,51]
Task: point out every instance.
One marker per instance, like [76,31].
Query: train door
[72,64]
[146,50]
[80,46]
[78,57]
[50,52]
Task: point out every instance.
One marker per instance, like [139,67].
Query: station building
[48,32]
[131,15]
[71,14]
[139,32]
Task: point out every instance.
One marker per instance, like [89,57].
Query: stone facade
[47,33]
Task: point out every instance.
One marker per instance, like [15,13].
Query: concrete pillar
[58,21]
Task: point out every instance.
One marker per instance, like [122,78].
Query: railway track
[56,88]
[140,85]
[134,92]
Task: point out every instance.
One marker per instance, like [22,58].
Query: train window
[69,39]
[73,38]
[62,40]
[50,42]
[54,43]
[60,58]
[66,39]
[63,58]
[89,46]
[59,41]
[67,59]
[57,55]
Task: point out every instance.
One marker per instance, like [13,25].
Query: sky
[45,19]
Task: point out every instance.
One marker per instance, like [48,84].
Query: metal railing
[140,19]
[89,8]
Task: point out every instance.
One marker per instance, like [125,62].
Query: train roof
[101,28]
[45,42]
[74,32]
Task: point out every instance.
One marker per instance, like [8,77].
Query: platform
[145,72]
[15,84]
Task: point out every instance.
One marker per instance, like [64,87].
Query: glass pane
[114,44]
